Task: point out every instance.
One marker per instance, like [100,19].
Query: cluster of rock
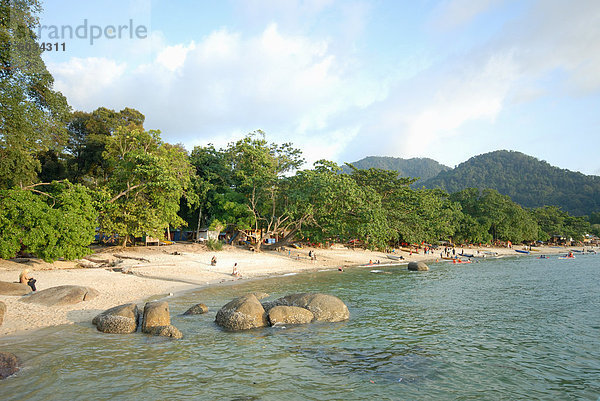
[247,312]
[125,319]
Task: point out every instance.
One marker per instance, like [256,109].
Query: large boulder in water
[2,312]
[242,313]
[7,288]
[417,266]
[62,295]
[156,314]
[326,308]
[115,324]
[122,319]
[289,315]
[9,364]
[126,310]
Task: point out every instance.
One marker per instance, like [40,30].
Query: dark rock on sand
[7,288]
[327,308]
[198,309]
[62,295]
[2,312]
[242,313]
[9,364]
[156,314]
[165,331]
[417,266]
[289,315]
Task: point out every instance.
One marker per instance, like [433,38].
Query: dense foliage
[65,177]
[527,180]
[56,223]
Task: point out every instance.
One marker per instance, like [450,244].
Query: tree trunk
[198,228]
[259,242]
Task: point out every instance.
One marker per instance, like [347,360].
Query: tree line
[67,176]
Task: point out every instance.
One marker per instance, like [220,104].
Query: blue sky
[342,80]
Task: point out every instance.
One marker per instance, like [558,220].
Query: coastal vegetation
[66,176]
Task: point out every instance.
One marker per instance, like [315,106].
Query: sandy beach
[141,273]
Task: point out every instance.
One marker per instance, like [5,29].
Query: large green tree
[146,182]
[32,113]
[412,216]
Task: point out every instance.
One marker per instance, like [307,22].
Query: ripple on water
[500,329]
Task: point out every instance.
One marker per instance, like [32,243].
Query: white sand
[168,269]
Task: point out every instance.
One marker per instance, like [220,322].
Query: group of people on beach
[234,273]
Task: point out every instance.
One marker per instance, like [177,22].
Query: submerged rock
[326,308]
[417,266]
[289,315]
[9,364]
[242,313]
[17,289]
[165,331]
[62,295]
[198,309]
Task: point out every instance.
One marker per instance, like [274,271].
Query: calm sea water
[510,329]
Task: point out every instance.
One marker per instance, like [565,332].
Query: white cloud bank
[300,88]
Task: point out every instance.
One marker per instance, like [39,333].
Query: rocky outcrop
[417,266]
[242,313]
[326,308]
[17,289]
[62,295]
[198,309]
[2,312]
[289,315]
[165,331]
[9,364]
[122,319]
[155,314]
[260,295]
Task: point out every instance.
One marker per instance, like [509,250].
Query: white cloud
[205,91]
[454,13]
[84,80]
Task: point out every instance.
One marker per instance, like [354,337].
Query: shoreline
[171,270]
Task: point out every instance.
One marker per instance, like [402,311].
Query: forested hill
[527,180]
[416,167]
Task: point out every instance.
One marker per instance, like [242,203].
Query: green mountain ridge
[530,182]
[423,168]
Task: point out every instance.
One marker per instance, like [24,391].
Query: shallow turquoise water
[520,328]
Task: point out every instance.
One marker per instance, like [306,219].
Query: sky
[342,80]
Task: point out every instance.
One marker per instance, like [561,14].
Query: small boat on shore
[393,257]
[522,251]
